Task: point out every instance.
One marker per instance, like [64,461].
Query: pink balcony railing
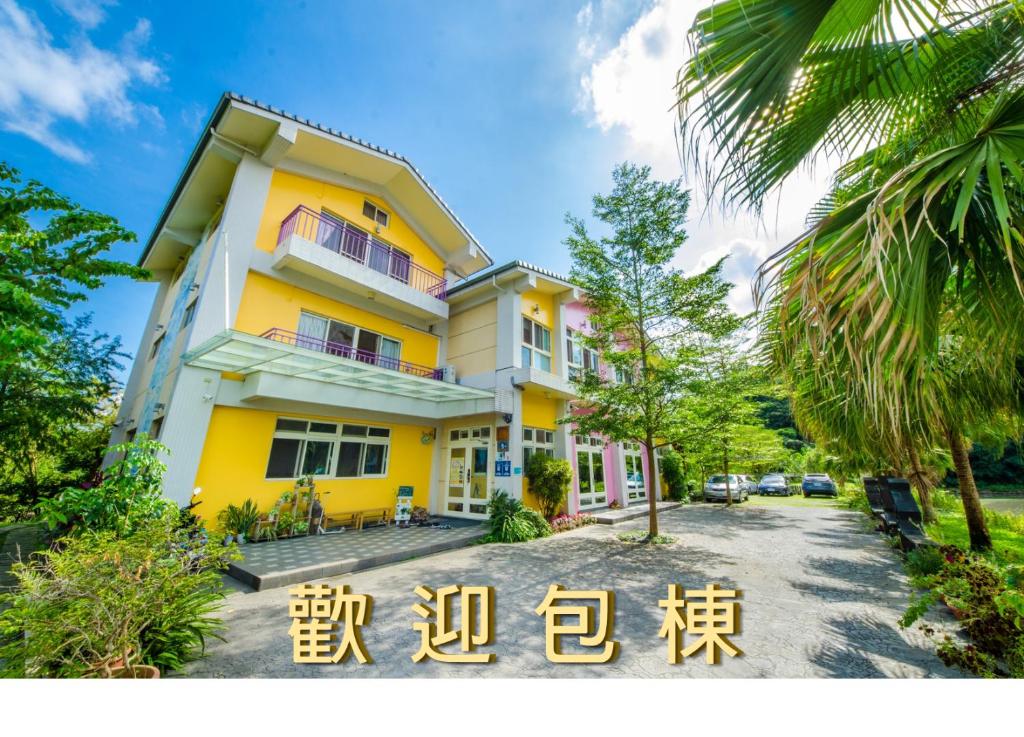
[361,247]
[346,351]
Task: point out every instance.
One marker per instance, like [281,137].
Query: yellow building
[321,311]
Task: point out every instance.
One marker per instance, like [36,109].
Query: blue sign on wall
[503,468]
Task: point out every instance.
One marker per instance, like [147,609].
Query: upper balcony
[343,255]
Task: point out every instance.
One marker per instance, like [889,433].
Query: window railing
[361,247]
[290,337]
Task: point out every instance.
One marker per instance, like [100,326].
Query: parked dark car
[818,483]
[773,484]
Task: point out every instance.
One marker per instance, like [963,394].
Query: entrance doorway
[468,487]
[590,471]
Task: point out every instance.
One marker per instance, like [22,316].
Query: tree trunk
[975,515]
[923,484]
[725,464]
[652,505]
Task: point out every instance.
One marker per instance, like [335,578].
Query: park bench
[873,489]
[898,501]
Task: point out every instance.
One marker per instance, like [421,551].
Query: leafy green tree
[129,495]
[721,398]
[550,481]
[644,312]
[674,473]
[56,375]
[924,214]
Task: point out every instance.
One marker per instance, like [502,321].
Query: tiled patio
[285,562]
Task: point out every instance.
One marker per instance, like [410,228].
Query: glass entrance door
[468,487]
[590,471]
[636,486]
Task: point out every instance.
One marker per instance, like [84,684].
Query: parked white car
[715,489]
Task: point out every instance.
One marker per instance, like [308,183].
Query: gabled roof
[522,266]
[256,134]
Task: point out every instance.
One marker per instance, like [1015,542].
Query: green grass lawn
[951,529]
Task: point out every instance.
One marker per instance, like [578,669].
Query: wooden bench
[381,515]
[336,520]
[357,519]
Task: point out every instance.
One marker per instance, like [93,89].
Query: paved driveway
[821,596]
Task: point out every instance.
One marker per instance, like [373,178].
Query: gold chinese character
[316,612]
[433,635]
[708,617]
[556,628]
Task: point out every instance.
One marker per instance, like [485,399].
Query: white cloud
[42,84]
[88,13]
[627,90]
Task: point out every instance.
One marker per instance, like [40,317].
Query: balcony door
[349,341]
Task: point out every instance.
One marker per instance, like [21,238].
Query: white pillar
[186,420]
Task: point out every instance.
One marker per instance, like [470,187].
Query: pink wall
[575,318]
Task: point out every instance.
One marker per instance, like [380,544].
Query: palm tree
[923,102]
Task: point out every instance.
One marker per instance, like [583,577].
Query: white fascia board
[332,397]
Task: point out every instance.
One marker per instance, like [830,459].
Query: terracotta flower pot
[136,671]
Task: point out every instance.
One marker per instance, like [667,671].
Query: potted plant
[229,519]
[285,523]
[247,516]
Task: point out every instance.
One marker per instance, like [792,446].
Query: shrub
[925,560]
[945,501]
[989,601]
[672,471]
[128,496]
[550,481]
[511,522]
[540,526]
[101,599]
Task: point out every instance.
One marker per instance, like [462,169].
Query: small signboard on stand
[403,506]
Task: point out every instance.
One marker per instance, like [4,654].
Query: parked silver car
[715,488]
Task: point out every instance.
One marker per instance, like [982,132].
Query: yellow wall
[473,340]
[268,303]
[234,463]
[538,411]
[287,191]
[546,308]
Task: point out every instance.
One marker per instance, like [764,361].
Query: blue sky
[515,111]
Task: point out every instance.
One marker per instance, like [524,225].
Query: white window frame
[377,211]
[530,351]
[573,345]
[335,439]
[533,445]
[634,452]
